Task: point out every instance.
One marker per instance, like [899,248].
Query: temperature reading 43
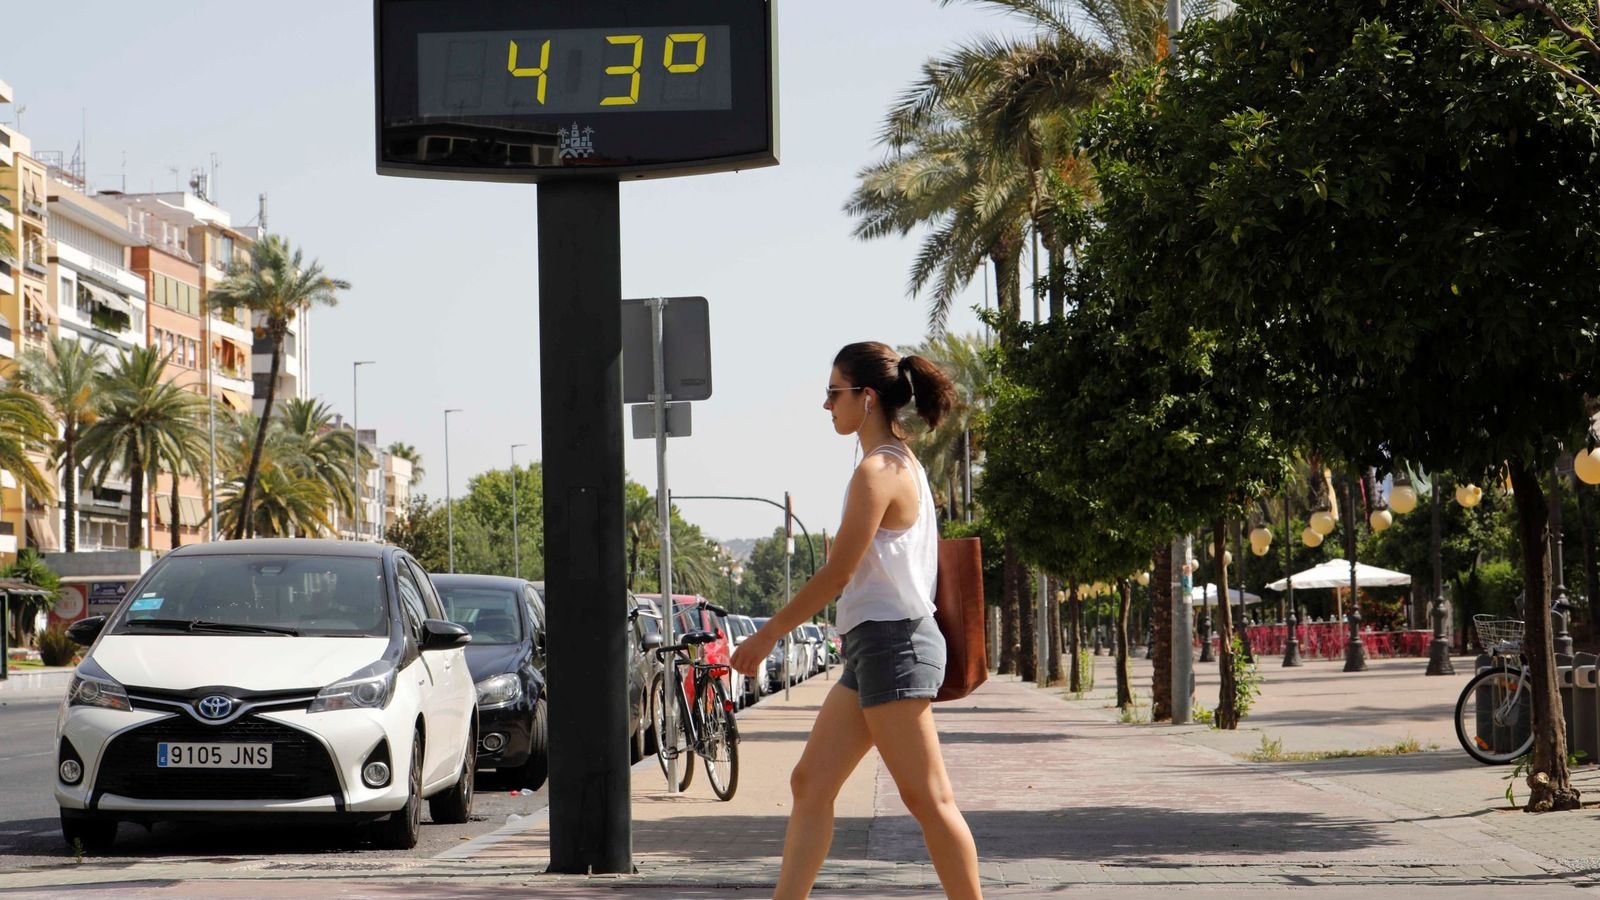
[500,74]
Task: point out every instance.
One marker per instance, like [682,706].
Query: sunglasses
[839,390]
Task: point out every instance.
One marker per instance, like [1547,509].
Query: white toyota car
[270,678]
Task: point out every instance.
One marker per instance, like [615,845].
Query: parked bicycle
[1494,716]
[705,723]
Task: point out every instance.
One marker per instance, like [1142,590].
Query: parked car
[646,623]
[638,681]
[772,669]
[799,656]
[691,618]
[285,678]
[815,646]
[506,619]
[740,628]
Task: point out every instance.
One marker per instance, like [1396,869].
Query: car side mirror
[84,631]
[437,634]
[650,641]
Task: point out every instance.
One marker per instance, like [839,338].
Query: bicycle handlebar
[706,604]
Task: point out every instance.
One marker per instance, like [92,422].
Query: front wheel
[721,742]
[675,745]
[401,830]
[1494,716]
[454,807]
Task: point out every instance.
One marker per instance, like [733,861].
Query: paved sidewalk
[1060,796]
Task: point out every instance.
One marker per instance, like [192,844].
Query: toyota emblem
[215,706]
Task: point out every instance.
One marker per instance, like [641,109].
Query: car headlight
[368,688]
[92,686]
[499,690]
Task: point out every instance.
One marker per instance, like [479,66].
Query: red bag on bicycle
[958,610]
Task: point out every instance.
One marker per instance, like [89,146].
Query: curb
[36,684]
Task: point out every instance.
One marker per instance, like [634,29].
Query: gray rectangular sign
[644,420]
[686,343]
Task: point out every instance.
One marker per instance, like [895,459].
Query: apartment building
[27,317]
[101,303]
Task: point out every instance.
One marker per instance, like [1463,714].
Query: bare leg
[838,741]
[904,734]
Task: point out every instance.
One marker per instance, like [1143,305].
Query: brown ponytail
[898,381]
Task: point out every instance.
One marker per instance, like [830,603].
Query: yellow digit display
[699,41]
[531,71]
[637,40]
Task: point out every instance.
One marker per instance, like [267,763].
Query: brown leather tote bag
[958,609]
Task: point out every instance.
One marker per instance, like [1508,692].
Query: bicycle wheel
[720,742]
[1494,716]
[678,746]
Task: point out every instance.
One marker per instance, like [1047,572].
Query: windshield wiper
[205,625]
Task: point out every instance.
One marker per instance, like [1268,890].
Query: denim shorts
[885,661]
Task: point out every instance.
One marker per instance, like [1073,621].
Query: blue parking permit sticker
[161,756]
[146,604]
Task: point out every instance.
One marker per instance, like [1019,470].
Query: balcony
[33,206]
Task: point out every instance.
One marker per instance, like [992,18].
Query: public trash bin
[1584,734]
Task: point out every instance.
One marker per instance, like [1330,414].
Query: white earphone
[869,403]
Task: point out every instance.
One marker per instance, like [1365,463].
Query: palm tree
[641,524]
[409,454]
[184,449]
[65,378]
[25,426]
[276,285]
[30,568]
[949,451]
[138,413]
[318,450]
[287,503]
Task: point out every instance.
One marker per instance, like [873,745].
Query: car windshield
[246,594]
[489,613]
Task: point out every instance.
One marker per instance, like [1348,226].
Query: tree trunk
[1053,659]
[1161,629]
[1075,638]
[1027,624]
[1227,715]
[135,501]
[1124,601]
[247,497]
[1549,783]
[1008,614]
[177,536]
[69,474]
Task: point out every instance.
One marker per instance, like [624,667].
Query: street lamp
[516,537]
[355,424]
[449,506]
[1355,652]
[1291,647]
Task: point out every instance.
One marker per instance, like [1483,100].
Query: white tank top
[895,579]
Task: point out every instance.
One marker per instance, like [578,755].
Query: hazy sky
[444,272]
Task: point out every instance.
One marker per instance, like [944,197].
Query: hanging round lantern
[1468,495]
[1311,537]
[1322,522]
[1143,578]
[1403,499]
[1586,465]
[1380,520]
[1260,540]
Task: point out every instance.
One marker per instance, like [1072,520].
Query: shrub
[55,648]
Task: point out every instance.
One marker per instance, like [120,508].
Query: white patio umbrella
[1206,595]
[1335,573]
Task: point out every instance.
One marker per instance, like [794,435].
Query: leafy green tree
[1375,191]
[277,285]
[297,498]
[420,530]
[487,506]
[140,413]
[315,449]
[183,449]
[950,452]
[64,377]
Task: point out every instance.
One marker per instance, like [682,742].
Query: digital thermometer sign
[540,89]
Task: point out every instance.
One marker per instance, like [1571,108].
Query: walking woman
[882,568]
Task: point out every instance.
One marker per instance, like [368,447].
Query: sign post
[576,97]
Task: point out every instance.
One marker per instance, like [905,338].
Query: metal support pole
[1182,634]
[211,432]
[669,603]
[1439,648]
[1242,630]
[580,360]
[516,534]
[1355,652]
[788,586]
[1558,582]
[449,502]
[1291,647]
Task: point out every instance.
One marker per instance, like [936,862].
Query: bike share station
[578,97]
